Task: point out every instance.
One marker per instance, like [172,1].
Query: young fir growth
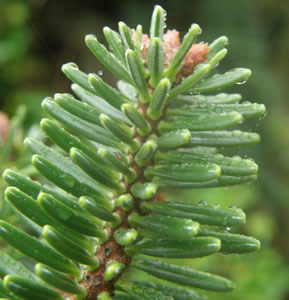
[99,214]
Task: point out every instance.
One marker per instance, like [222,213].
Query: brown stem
[110,250]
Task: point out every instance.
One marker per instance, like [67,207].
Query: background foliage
[37,37]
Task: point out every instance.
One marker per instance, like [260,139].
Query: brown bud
[196,55]
[4,126]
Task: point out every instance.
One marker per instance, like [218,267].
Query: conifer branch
[103,213]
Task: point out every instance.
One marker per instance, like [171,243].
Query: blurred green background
[38,36]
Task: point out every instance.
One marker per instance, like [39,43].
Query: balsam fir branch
[101,213]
